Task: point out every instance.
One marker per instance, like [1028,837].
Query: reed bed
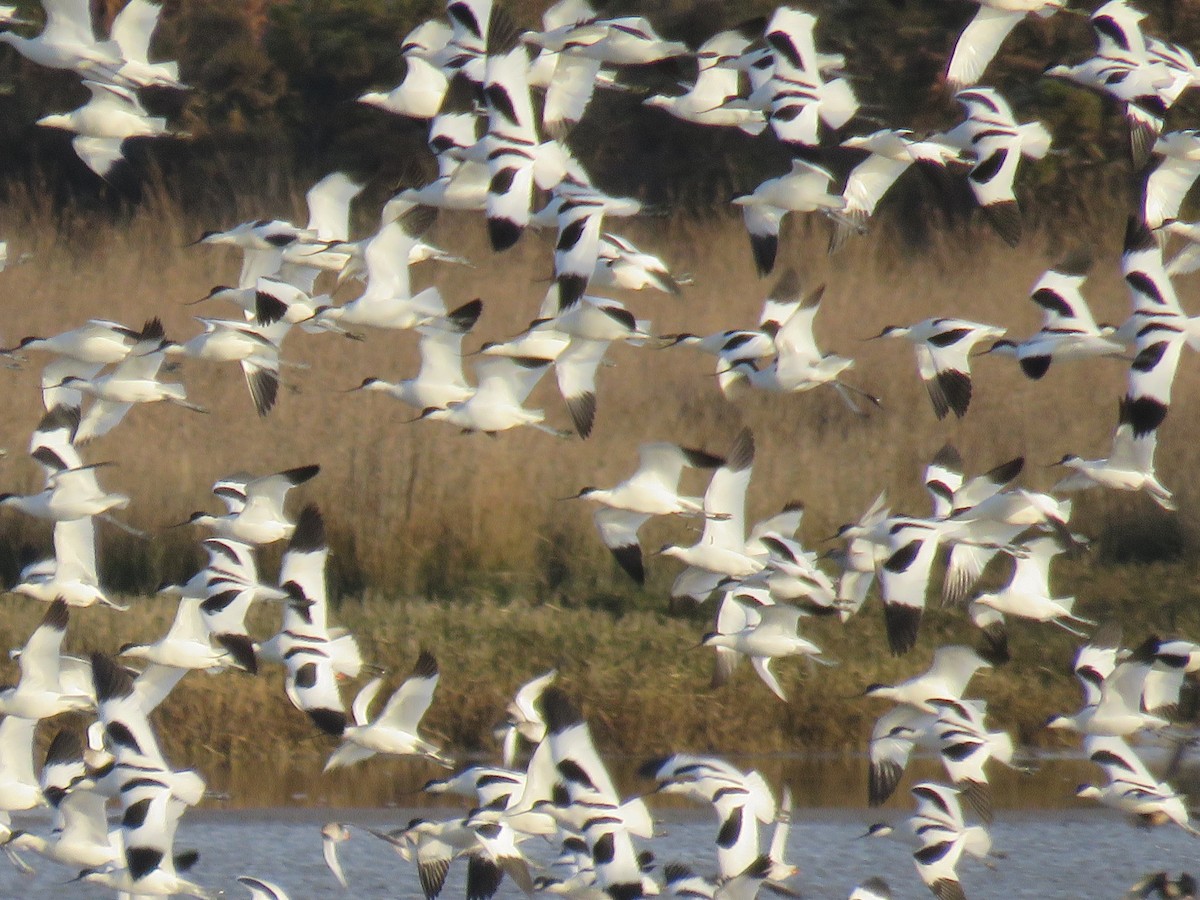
[419,509]
[458,542]
[643,684]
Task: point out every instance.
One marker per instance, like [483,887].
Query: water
[1088,853]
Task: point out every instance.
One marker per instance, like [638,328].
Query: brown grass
[421,511]
[642,683]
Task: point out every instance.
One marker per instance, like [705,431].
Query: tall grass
[642,683]
[422,509]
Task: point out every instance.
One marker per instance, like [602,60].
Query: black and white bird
[943,348]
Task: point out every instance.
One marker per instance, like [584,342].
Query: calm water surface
[1067,854]
[1056,846]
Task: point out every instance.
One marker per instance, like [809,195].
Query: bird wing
[726,496]
[570,90]
[303,568]
[1118,759]
[407,705]
[868,182]
[83,818]
[132,28]
[904,581]
[68,21]
[441,357]
[978,44]
[1158,347]
[312,687]
[272,489]
[510,191]
[575,368]
[188,625]
[893,738]
[937,862]
[580,221]
[762,224]
[75,550]
[329,206]
[762,665]
[508,379]
[39,660]
[363,699]
[16,750]
[99,154]
[797,346]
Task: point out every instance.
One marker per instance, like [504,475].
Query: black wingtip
[741,457]
[1077,263]
[418,220]
[268,309]
[1005,219]
[503,33]
[59,417]
[583,412]
[426,665]
[955,389]
[309,536]
[993,645]
[264,389]
[57,616]
[702,459]
[882,779]
[109,679]
[764,247]
[503,233]
[948,457]
[558,710]
[66,747]
[1138,236]
[464,317]
[570,288]
[301,474]
[330,721]
[902,624]
[241,648]
[789,286]
[1142,414]
[629,558]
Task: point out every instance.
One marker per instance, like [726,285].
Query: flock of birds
[474,78]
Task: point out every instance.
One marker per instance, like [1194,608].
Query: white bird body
[103,124]
[1129,467]
[418,96]
[770,632]
[261,519]
[943,346]
[982,37]
[1118,710]
[1131,788]
[72,574]
[394,730]
[131,31]
[1027,595]
[68,41]
[946,679]
[39,693]
[497,404]
[803,189]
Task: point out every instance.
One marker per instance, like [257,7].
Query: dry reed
[418,510]
[421,509]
